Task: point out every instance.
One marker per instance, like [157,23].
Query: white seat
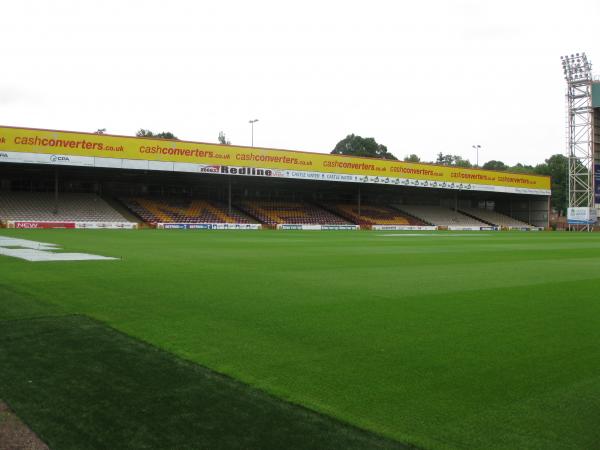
[40,206]
[495,217]
[441,216]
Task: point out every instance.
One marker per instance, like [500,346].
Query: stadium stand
[273,213]
[39,207]
[494,218]
[176,210]
[372,215]
[441,216]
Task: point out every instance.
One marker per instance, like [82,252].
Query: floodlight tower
[578,75]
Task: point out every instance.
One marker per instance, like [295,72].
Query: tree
[460,162]
[520,168]
[557,167]
[358,146]
[444,159]
[163,135]
[223,139]
[412,158]
[144,133]
[452,160]
[495,165]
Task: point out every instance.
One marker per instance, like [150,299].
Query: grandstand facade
[52,178]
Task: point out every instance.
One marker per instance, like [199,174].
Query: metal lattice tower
[578,74]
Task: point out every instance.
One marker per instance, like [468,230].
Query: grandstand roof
[89,149]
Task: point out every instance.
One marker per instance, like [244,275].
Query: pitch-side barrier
[313,227]
[459,228]
[209,226]
[403,228]
[51,224]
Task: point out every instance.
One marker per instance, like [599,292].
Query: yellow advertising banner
[36,141]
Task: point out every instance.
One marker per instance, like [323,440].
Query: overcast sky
[420,77]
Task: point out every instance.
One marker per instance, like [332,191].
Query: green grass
[458,340]
[83,385]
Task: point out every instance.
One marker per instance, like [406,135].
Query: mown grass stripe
[83,385]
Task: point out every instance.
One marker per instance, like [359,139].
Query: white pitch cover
[41,251]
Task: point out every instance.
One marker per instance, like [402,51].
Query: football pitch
[443,340]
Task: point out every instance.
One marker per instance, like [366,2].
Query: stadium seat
[178,210]
[441,216]
[495,218]
[273,212]
[42,207]
[372,214]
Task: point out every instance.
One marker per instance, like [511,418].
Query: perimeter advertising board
[83,225]
[85,149]
[209,226]
[313,227]
[597,183]
[404,227]
[582,216]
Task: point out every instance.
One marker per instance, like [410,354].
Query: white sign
[460,228]
[96,225]
[582,216]
[109,225]
[403,228]
[209,226]
[313,227]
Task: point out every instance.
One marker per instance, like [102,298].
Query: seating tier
[278,212]
[45,207]
[152,210]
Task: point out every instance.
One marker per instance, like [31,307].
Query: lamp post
[477,147]
[252,122]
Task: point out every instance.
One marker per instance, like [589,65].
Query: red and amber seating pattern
[272,212]
[183,211]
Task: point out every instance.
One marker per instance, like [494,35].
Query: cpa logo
[55,158]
